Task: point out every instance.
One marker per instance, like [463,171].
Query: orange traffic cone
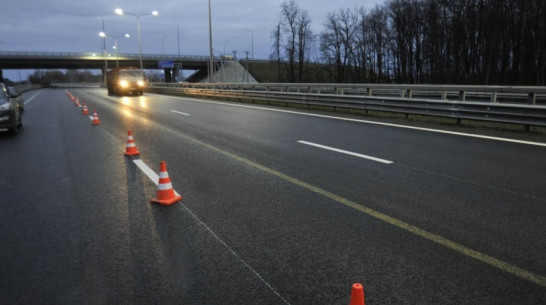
[85,110]
[131,148]
[96,120]
[77,104]
[165,192]
[357,295]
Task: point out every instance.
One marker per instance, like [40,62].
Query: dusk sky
[73,26]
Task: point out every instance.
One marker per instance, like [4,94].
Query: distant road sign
[166,64]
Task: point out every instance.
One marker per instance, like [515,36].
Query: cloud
[73,26]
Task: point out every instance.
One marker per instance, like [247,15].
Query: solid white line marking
[149,172]
[347,152]
[31,98]
[182,113]
[378,123]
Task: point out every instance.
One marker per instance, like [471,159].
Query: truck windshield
[131,73]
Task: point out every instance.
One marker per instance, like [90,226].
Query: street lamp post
[180,73]
[163,43]
[121,12]
[252,43]
[211,55]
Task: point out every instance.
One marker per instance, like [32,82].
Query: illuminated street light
[115,47]
[154,13]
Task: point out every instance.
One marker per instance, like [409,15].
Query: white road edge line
[31,98]
[462,134]
[182,113]
[347,152]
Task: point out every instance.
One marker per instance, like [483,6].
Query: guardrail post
[369,91]
[462,96]
[410,93]
[402,93]
[494,98]
[444,95]
[532,99]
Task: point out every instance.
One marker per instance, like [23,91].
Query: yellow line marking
[484,258]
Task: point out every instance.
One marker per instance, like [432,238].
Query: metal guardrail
[518,106]
[24,88]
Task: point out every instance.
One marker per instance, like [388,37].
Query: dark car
[10,114]
[18,97]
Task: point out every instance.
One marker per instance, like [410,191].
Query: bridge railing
[514,105]
[99,55]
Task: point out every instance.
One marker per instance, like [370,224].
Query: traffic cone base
[131,149]
[165,192]
[96,120]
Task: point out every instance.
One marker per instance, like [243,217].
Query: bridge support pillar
[1,75]
[168,75]
[104,71]
[176,74]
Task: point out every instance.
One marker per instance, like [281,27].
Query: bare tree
[289,13]
[277,55]
[337,41]
[417,41]
[305,37]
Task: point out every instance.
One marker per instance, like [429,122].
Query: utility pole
[211,55]
[246,69]
[105,70]
[235,65]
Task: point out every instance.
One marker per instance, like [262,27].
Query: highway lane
[247,234]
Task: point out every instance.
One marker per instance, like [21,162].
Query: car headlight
[123,83]
[5,106]
[140,83]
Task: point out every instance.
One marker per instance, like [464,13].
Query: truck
[125,80]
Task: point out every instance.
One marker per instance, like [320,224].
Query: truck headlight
[140,83]
[123,83]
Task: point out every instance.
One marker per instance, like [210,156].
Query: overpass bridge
[62,60]
[225,70]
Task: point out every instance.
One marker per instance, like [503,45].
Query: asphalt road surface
[280,206]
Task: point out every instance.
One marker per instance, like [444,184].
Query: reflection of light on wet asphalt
[127,113]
